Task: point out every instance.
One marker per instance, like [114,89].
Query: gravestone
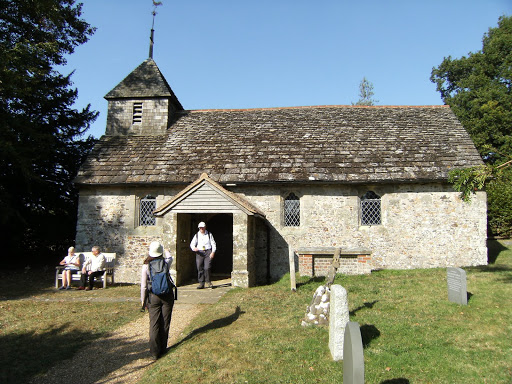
[457,285]
[338,319]
[318,311]
[353,361]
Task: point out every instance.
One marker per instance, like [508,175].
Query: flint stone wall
[423,225]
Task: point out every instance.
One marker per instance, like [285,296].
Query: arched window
[370,209]
[147,206]
[291,211]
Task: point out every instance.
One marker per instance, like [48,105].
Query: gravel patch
[120,358]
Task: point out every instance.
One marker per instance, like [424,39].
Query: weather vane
[155,4]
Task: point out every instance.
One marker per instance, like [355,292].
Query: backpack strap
[175,289]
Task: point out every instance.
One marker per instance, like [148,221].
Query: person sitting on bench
[72,265]
[96,265]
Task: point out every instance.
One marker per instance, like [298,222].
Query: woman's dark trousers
[160,312]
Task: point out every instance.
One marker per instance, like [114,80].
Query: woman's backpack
[160,281]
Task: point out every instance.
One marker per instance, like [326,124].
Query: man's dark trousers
[203,263]
[85,276]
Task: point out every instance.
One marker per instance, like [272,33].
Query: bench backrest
[110,259]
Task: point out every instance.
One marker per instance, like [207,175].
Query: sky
[224,54]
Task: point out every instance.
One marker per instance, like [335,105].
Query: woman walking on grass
[159,306]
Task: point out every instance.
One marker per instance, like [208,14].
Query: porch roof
[237,200]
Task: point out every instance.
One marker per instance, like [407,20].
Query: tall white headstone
[338,319]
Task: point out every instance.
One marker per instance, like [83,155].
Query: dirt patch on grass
[120,358]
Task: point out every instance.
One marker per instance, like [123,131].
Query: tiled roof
[300,144]
[144,81]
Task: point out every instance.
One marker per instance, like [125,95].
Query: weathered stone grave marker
[338,319]
[353,361]
[318,311]
[457,285]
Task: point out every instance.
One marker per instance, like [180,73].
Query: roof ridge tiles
[315,107]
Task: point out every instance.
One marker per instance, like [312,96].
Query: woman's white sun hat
[156,249]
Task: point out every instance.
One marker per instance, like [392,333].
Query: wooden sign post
[331,274]
[291,259]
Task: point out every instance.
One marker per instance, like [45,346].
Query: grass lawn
[40,326]
[411,332]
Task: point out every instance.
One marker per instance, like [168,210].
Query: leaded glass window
[370,209]
[291,211]
[147,206]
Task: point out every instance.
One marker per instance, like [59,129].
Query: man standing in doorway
[203,244]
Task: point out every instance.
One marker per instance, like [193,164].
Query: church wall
[423,226]
[108,217]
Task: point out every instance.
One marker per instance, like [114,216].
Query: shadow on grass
[365,305]
[395,381]
[369,333]
[26,357]
[215,324]
[317,279]
[24,283]
[494,248]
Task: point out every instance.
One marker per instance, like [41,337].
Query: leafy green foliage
[468,180]
[479,90]
[498,183]
[365,93]
[41,135]
[499,195]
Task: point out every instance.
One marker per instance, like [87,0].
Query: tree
[42,140]
[365,93]
[499,198]
[478,88]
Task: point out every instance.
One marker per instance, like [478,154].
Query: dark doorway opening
[221,227]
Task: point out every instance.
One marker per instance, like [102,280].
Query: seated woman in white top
[72,263]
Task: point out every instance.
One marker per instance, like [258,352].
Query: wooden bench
[110,259]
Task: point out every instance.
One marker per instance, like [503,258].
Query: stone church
[276,182]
